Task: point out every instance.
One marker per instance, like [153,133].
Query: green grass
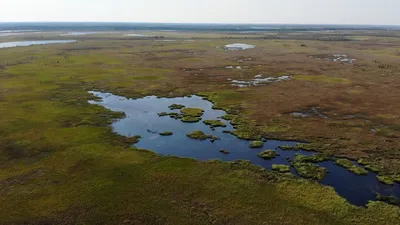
[214,123]
[256,144]
[281,168]
[192,112]
[268,154]
[61,162]
[167,133]
[309,170]
[349,165]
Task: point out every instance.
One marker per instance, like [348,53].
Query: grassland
[62,164]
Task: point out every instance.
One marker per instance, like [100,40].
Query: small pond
[238,47]
[29,43]
[142,119]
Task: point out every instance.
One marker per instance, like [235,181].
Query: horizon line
[205,23]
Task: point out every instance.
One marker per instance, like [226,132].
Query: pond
[238,47]
[142,119]
[29,43]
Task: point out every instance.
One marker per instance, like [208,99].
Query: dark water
[29,43]
[142,119]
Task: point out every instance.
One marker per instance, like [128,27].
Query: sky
[370,12]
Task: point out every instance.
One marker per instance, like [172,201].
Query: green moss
[167,133]
[176,106]
[268,154]
[192,112]
[281,168]
[349,165]
[189,119]
[214,123]
[224,151]
[256,144]
[309,170]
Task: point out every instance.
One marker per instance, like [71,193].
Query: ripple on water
[142,119]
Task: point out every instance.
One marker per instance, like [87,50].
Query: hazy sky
[205,11]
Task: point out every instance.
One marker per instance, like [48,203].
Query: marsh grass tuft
[192,112]
[167,133]
[268,154]
[214,123]
[176,106]
[281,168]
[256,144]
[200,135]
[309,170]
[349,165]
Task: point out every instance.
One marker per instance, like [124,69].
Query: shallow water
[142,119]
[238,46]
[259,79]
[79,33]
[139,35]
[29,43]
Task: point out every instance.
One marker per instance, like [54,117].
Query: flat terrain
[62,164]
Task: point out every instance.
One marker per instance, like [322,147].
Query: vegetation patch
[388,199]
[173,115]
[268,154]
[388,179]
[223,151]
[325,79]
[256,144]
[349,165]
[200,135]
[214,123]
[299,146]
[247,133]
[313,158]
[167,133]
[176,106]
[189,119]
[281,168]
[192,112]
[309,170]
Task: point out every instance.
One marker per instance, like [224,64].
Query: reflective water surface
[142,119]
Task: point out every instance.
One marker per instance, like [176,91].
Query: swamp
[208,125]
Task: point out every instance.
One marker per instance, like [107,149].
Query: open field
[62,164]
